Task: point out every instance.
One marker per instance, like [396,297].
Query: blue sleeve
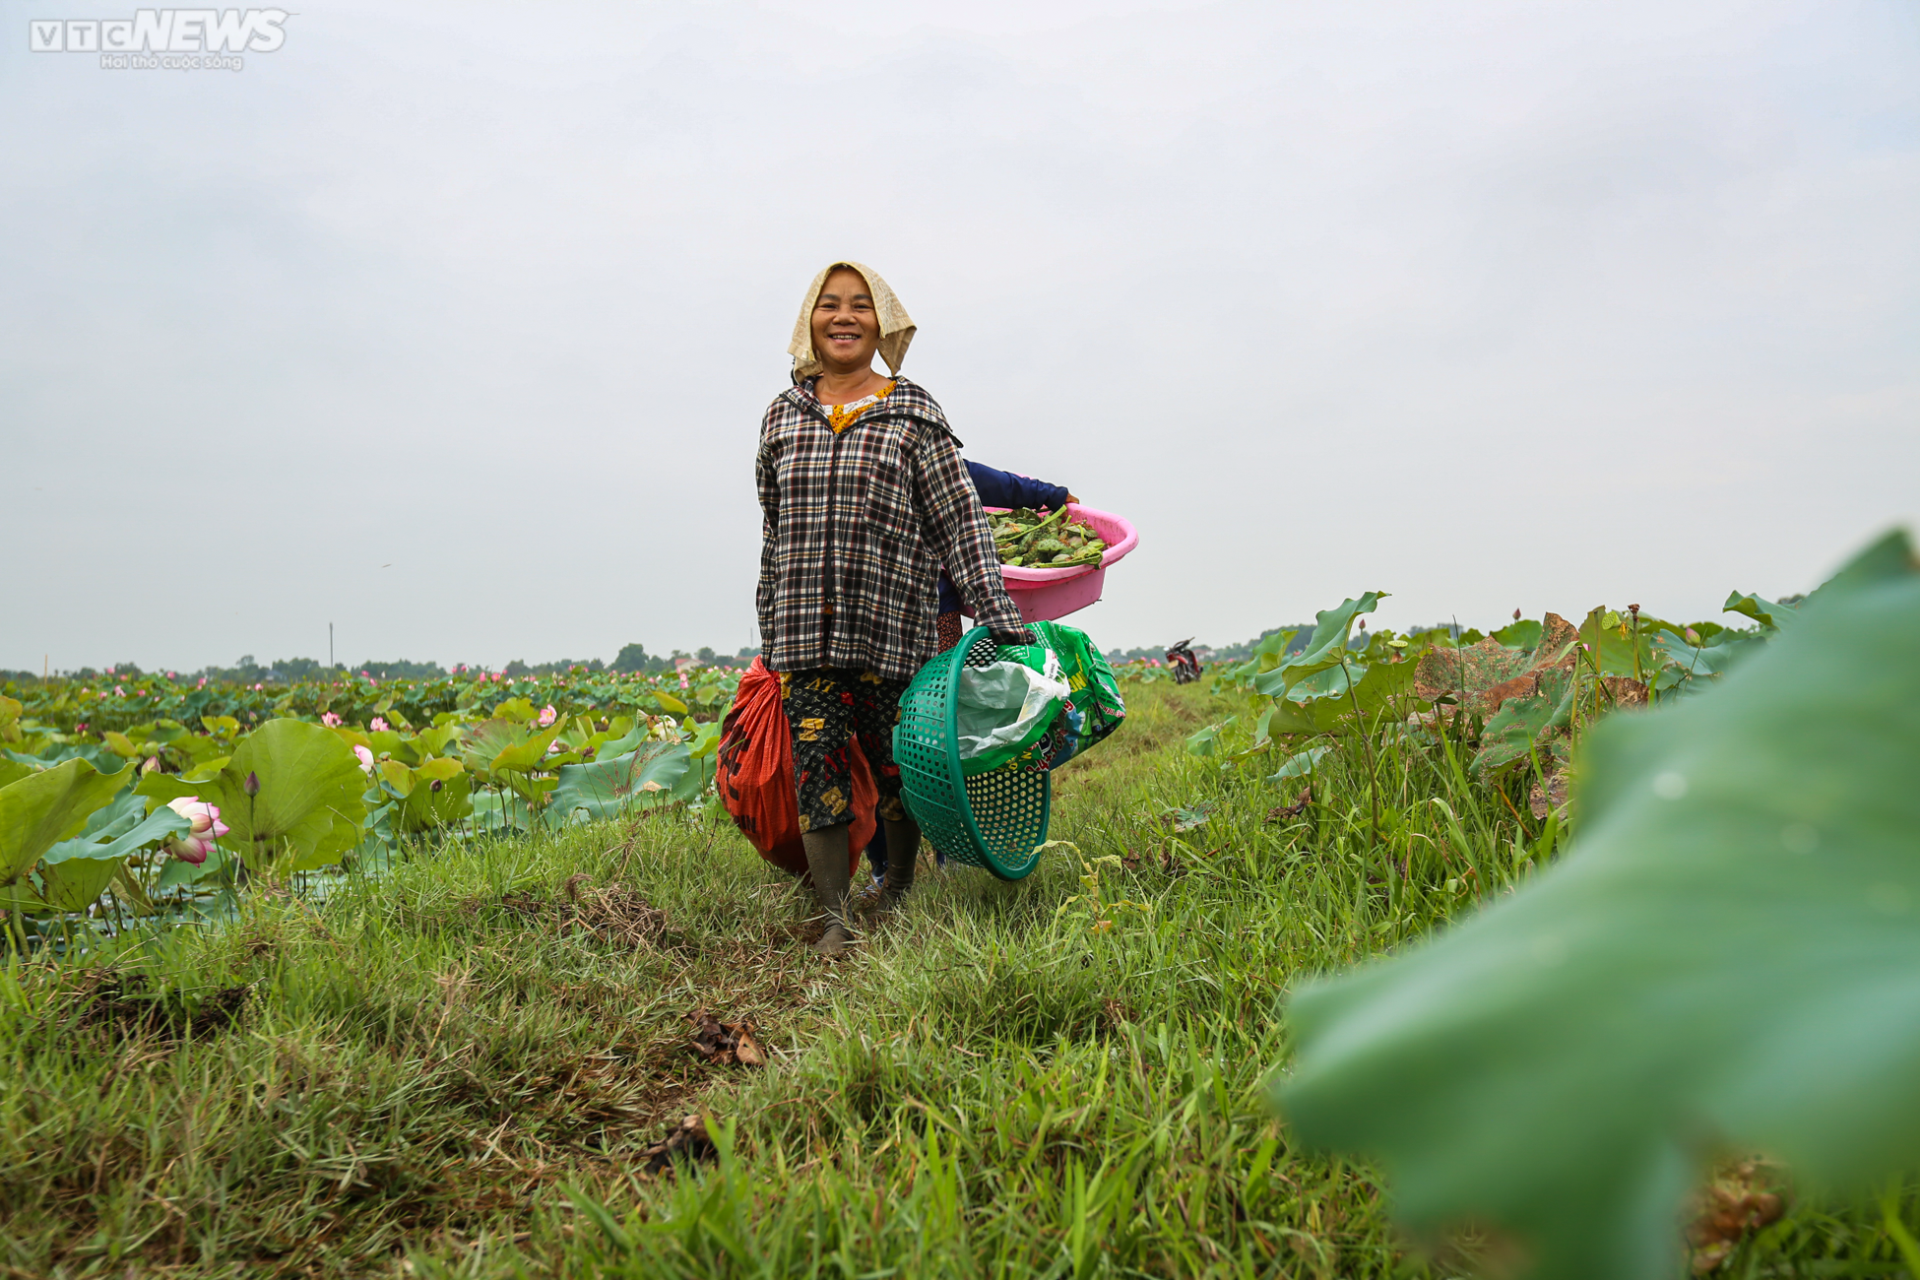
[1004,489]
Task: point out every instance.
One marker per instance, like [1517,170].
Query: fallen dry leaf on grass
[726,1043]
[1727,1211]
[689,1139]
[1280,813]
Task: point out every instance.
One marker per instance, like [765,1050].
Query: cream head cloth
[896,326]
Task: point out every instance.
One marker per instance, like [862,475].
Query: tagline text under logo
[174,39]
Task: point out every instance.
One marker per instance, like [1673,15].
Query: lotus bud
[365,757]
[1691,636]
[1516,615]
[152,765]
[197,843]
[252,785]
[436,785]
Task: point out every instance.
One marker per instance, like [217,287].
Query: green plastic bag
[1088,712]
[1003,710]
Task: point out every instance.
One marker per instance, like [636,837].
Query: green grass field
[459,1069]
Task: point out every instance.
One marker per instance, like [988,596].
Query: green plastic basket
[996,820]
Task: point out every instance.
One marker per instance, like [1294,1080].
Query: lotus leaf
[44,808]
[1726,960]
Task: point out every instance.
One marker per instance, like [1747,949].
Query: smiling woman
[864,496]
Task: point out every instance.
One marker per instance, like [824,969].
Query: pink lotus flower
[198,842]
[329,719]
[119,692]
[258,687]
[555,746]
[366,759]
[547,716]
[377,725]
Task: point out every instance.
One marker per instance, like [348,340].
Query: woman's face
[846,329]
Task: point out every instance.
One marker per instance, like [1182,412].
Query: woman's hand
[1022,636]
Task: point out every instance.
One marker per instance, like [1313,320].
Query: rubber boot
[827,860]
[903,851]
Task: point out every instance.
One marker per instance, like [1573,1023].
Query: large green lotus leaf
[74,872]
[1266,655]
[425,809]
[434,741]
[1325,648]
[99,757]
[1384,684]
[524,757]
[609,788]
[1686,670]
[116,830]
[1524,634]
[1762,611]
[1325,700]
[1612,644]
[340,839]
[481,743]
[1728,960]
[1522,722]
[518,710]
[74,886]
[9,719]
[311,791]
[44,808]
[396,776]
[629,740]
[699,775]
[1322,715]
[1328,682]
[162,787]
[13,771]
[311,802]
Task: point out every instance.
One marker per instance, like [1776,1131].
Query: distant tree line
[632,658]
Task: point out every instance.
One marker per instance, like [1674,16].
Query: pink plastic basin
[1043,595]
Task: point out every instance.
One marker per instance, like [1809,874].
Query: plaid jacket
[857,527]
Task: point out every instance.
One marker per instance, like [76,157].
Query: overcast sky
[452,325]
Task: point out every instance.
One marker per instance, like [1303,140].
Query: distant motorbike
[1186,667]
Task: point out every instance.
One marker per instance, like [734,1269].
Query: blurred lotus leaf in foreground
[1728,960]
